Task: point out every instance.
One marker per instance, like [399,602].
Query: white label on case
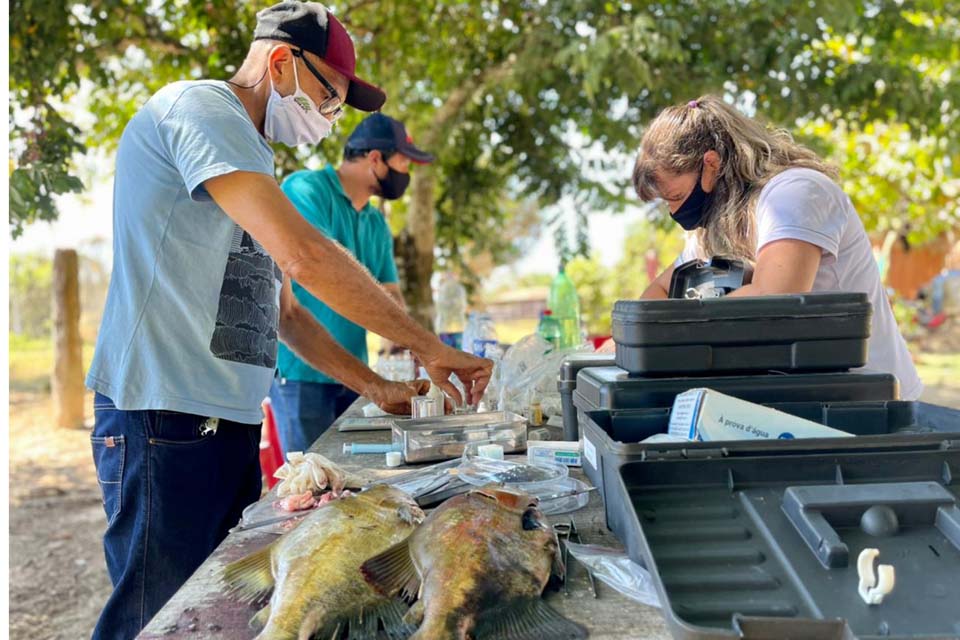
[590,452]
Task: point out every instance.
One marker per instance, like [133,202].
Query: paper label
[542,454]
[683,416]
[715,416]
[590,452]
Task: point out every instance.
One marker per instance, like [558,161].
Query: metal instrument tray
[445,437]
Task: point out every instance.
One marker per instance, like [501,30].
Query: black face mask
[394,184]
[692,212]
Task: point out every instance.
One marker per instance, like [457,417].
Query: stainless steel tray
[444,437]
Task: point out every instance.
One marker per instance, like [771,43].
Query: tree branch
[353,7]
[462,95]
[153,43]
[152,35]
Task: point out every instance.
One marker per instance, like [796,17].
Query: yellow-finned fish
[314,570]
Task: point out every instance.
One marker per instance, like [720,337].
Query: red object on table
[598,340]
[937,320]
[271,454]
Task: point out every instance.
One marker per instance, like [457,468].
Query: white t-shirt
[803,204]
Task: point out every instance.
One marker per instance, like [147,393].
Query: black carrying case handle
[727,275]
[816,510]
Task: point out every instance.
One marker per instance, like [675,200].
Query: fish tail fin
[366,624]
[392,572]
[250,578]
[528,619]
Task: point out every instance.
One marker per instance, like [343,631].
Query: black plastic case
[612,388]
[809,332]
[567,384]
[760,539]
[613,438]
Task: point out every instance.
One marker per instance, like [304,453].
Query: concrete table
[200,609]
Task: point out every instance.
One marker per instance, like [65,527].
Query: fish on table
[478,566]
[314,570]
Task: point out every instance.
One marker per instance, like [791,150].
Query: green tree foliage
[31,295]
[524,101]
[596,290]
[899,179]
[600,286]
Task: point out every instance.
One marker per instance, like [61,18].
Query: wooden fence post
[67,381]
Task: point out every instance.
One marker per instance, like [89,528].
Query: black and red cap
[311,27]
[378,131]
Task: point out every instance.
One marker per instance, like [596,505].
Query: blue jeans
[170,494]
[304,410]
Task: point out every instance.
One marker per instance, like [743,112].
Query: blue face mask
[692,212]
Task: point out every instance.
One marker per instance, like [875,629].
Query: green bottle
[549,328]
[565,305]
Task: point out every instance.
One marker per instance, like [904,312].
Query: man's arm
[256,203]
[300,331]
[393,289]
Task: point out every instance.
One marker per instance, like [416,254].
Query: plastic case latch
[874,586]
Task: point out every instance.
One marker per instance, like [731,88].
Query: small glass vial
[535,414]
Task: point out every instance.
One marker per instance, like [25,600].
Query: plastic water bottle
[549,328]
[491,397]
[483,334]
[469,330]
[565,305]
[451,306]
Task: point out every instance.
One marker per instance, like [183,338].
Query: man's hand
[394,397]
[472,371]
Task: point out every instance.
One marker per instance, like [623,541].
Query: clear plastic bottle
[469,331]
[451,307]
[565,305]
[549,328]
[491,398]
[483,334]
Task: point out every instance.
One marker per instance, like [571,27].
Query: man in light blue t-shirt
[377,160]
[205,247]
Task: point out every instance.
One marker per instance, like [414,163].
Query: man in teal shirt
[377,161]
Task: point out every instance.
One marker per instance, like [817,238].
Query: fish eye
[531,519]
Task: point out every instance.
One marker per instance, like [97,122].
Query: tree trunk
[416,244]
[67,382]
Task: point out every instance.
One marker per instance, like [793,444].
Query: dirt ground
[58,581]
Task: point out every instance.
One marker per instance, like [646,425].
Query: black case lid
[807,305]
[612,388]
[573,363]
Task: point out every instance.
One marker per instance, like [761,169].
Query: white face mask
[293,120]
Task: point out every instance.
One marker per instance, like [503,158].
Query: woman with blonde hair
[746,191]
